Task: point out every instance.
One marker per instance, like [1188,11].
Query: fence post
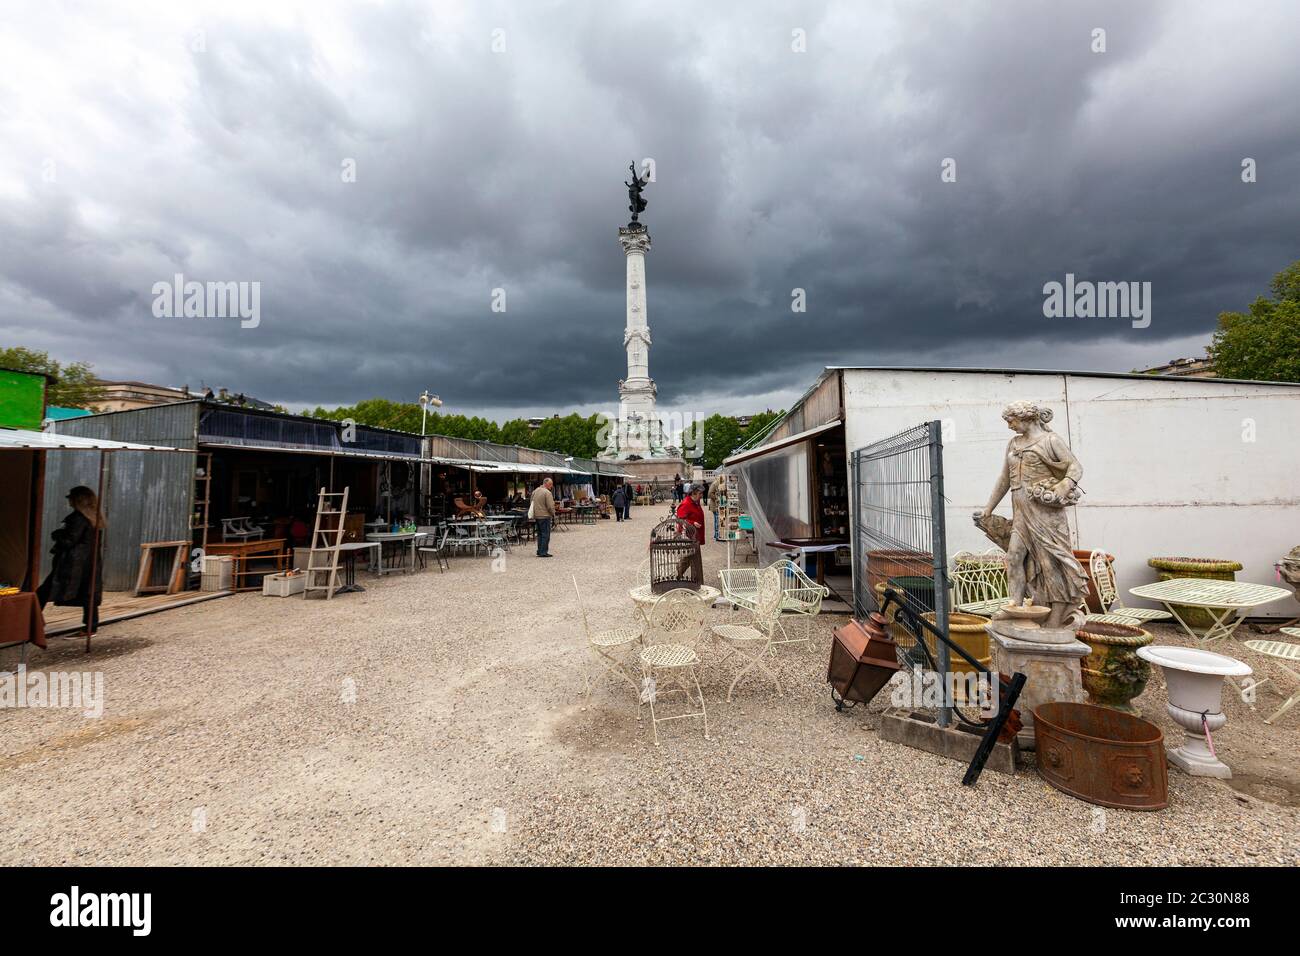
[939,550]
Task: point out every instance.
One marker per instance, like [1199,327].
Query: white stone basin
[1194,681]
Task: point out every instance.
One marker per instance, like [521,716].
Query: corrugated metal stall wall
[147,495]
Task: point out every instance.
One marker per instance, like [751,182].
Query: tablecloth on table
[21,620]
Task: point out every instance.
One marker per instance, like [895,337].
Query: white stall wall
[1194,467]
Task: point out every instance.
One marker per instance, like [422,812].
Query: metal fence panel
[899,539]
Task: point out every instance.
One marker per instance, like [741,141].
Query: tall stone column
[640,432]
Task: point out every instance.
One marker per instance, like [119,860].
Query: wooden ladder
[323,560]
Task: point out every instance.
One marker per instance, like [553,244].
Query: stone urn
[1113,674]
[1216,569]
[1194,682]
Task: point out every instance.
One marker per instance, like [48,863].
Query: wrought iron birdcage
[675,560]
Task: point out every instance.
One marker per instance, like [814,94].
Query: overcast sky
[490,142]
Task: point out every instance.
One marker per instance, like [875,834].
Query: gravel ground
[437,718]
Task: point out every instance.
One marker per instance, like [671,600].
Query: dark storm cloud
[139,148]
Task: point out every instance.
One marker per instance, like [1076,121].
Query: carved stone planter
[1113,673]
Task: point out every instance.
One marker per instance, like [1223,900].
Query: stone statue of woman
[1042,475]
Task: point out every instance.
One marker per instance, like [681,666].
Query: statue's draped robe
[1052,573]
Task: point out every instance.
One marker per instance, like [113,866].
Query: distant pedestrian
[627,502]
[678,493]
[543,513]
[618,499]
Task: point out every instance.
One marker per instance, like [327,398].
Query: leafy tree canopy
[74,385]
[1263,343]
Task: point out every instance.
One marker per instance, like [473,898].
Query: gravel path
[437,718]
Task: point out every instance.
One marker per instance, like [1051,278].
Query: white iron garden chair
[800,595]
[751,642]
[1102,573]
[740,586]
[1282,653]
[979,582]
[672,635]
[608,652]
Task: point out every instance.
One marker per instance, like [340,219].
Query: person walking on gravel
[543,512]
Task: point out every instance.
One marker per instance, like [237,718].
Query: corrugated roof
[22,439]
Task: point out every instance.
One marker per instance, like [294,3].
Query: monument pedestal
[1050,660]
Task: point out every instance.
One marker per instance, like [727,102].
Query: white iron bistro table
[1227,601]
[645,599]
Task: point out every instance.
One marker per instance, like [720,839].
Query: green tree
[571,435]
[74,385]
[1264,343]
[721,435]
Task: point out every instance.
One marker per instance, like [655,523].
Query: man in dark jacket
[617,500]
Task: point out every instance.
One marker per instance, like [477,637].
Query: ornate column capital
[634,240]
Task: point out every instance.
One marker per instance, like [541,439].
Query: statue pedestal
[1050,660]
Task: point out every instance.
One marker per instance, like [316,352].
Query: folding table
[1227,601]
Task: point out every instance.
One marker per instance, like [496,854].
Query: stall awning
[521,468]
[783,443]
[338,452]
[20,439]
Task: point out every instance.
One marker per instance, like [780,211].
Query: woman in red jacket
[691,511]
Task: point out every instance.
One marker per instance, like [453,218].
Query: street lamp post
[425,401]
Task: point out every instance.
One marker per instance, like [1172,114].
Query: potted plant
[1113,673]
[1167,569]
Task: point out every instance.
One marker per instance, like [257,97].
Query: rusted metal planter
[1102,756]
[1113,674]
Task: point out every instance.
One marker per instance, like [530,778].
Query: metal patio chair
[1102,573]
[751,642]
[1282,654]
[800,596]
[610,652]
[438,551]
[671,638]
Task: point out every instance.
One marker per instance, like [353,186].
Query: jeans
[543,535]
[717,530]
[627,511]
[618,512]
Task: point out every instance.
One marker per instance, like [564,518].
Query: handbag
[530,511]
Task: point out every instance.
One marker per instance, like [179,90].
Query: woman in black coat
[68,583]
